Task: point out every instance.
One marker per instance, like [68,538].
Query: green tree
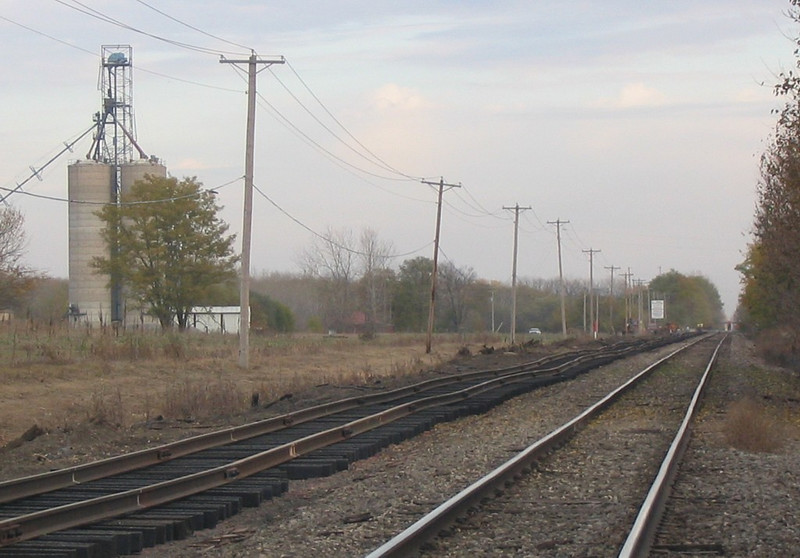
[756,310]
[270,315]
[168,246]
[412,294]
[690,300]
[297,291]
[770,298]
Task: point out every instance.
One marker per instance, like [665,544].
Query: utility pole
[628,280]
[592,325]
[516,209]
[441,185]
[640,304]
[247,220]
[492,301]
[611,298]
[561,289]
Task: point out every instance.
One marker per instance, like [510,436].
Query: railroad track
[120,505]
[576,491]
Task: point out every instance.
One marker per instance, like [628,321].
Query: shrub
[780,346]
[750,427]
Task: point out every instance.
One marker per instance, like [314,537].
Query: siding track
[200,481]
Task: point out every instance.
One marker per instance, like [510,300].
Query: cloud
[636,95]
[393,97]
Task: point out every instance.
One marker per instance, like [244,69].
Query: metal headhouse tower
[115,138]
[113,164]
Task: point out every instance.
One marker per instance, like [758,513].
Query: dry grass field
[84,394]
[69,396]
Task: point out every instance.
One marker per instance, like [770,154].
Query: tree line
[466,303]
[170,252]
[769,304]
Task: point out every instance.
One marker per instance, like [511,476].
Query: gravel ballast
[745,501]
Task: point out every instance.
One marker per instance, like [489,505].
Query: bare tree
[375,257]
[12,237]
[332,257]
[14,277]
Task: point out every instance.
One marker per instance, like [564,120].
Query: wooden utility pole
[628,281]
[592,325]
[561,289]
[441,184]
[247,220]
[611,298]
[516,209]
[639,304]
[491,298]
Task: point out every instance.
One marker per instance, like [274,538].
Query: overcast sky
[641,123]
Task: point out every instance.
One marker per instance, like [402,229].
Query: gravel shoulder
[751,497]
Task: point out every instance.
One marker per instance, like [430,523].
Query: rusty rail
[89,511]
[38,484]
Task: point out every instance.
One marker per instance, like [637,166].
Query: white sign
[657,309]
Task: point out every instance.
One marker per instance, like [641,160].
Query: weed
[750,427]
[196,399]
[106,409]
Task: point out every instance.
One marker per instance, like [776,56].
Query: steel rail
[32,485]
[89,511]
[641,536]
[409,540]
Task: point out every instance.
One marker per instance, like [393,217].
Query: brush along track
[296,452]
[582,499]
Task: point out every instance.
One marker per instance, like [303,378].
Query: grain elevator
[113,164]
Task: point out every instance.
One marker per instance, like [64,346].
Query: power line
[325,238]
[129,203]
[376,160]
[138,68]
[192,27]
[67,147]
[499,222]
[43,34]
[308,139]
[477,203]
[87,10]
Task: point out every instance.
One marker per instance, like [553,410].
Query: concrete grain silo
[89,185]
[113,164]
[137,170]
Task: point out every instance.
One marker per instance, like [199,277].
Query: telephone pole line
[441,184]
[592,326]
[561,289]
[611,298]
[516,210]
[247,219]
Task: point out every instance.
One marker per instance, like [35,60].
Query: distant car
[535,331]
